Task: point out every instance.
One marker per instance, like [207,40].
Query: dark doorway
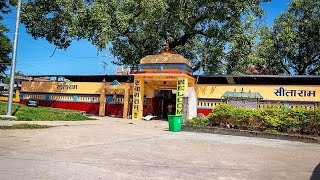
[168,97]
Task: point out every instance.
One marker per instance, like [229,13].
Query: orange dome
[165,58]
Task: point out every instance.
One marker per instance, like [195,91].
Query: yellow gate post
[102,107]
[182,85]
[126,100]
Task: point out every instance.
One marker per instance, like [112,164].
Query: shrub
[222,115]
[285,120]
[197,121]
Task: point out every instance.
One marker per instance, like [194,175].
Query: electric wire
[70,57]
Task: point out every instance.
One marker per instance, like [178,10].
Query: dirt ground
[111,148]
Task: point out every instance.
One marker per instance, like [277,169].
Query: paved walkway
[111,148]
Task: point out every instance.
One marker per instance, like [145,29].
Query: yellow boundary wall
[15,99]
[304,93]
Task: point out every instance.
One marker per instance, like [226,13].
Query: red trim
[204,111]
[114,110]
[80,106]
[91,108]
[164,72]
[153,107]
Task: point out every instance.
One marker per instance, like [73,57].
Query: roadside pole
[13,63]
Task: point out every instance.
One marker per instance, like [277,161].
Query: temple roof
[165,58]
[246,95]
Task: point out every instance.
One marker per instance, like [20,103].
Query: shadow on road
[15,111]
[316,173]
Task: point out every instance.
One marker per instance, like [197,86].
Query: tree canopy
[5,44]
[209,33]
[293,45]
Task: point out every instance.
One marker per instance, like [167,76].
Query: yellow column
[192,82]
[138,94]
[126,101]
[182,85]
[102,107]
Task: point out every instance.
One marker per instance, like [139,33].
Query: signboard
[160,78]
[138,94]
[62,87]
[182,85]
[268,92]
[32,103]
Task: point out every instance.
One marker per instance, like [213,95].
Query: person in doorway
[170,109]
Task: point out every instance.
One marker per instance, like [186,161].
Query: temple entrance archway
[156,76]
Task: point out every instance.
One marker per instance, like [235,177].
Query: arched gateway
[161,79]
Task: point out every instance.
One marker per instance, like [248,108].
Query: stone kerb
[235,132]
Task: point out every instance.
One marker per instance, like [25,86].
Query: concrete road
[111,148]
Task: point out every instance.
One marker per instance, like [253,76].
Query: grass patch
[26,113]
[25,126]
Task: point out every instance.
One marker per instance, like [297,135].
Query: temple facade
[163,79]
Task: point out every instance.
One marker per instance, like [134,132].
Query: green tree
[266,53]
[244,48]
[5,44]
[296,38]
[198,29]
[6,78]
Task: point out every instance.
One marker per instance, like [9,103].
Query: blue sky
[82,58]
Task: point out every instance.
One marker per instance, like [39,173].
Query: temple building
[164,78]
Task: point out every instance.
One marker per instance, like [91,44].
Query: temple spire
[167,47]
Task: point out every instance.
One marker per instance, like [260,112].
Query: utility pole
[13,63]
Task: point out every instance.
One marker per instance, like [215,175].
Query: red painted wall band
[91,108]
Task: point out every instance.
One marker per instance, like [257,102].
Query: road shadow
[316,173]
[16,110]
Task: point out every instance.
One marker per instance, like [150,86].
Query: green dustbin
[175,122]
